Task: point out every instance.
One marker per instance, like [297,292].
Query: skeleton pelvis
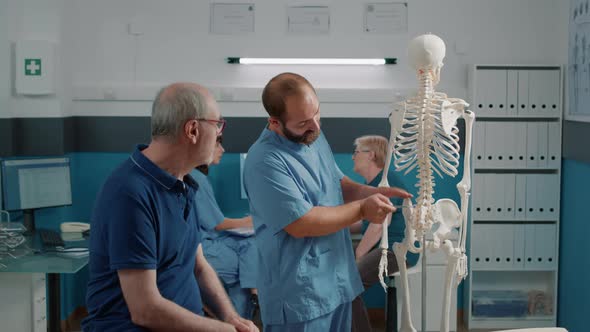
[447,216]
[449,212]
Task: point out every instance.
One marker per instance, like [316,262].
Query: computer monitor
[29,184]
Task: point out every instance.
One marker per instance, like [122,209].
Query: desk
[53,265]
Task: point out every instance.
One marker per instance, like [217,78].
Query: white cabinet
[515,91]
[514,210]
[23,304]
[522,144]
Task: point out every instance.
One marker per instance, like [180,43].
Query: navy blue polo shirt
[144,218]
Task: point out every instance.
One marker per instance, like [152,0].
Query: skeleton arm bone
[395,121]
[464,186]
[368,241]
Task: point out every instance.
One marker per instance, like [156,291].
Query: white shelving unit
[514,210]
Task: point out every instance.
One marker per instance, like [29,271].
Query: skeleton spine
[423,216]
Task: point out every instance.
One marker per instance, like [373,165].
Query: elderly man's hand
[393,192]
[242,325]
[375,208]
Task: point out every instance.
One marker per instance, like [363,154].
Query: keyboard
[50,238]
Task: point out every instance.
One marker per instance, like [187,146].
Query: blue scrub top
[299,279]
[143,218]
[208,210]
[397,228]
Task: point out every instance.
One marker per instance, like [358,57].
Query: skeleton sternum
[423,219]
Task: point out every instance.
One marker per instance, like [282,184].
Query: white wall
[102,61]
[31,20]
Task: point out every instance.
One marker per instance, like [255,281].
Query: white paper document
[308,19]
[386,18]
[232,18]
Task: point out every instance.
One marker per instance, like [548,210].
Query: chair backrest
[538,329]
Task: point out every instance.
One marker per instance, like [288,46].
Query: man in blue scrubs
[147,269]
[307,276]
[232,254]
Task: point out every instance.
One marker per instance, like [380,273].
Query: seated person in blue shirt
[369,160]
[147,269]
[232,255]
[307,276]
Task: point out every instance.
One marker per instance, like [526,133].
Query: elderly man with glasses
[147,268]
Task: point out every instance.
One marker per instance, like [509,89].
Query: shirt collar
[188,179]
[376,180]
[160,176]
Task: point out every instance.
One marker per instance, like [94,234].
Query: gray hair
[377,144]
[173,106]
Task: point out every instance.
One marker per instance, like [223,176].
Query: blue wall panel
[89,171]
[574,264]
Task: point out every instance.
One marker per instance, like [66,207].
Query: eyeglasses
[359,151]
[220,124]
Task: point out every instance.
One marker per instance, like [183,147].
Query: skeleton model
[424,135]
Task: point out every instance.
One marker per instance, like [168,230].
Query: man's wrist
[230,316]
[360,215]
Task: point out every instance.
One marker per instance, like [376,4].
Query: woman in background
[369,160]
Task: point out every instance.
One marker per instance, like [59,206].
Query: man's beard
[306,138]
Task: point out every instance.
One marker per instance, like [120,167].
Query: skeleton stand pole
[423,303]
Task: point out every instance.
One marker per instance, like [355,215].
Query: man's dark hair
[279,88]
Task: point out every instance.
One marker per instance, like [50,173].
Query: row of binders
[499,197]
[517,145]
[517,92]
[514,246]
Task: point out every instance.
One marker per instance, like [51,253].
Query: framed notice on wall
[310,20]
[232,18]
[386,18]
[577,106]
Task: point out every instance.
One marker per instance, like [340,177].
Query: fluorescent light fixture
[311,61]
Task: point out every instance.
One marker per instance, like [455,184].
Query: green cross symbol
[32,67]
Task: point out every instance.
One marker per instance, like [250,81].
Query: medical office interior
[520,64]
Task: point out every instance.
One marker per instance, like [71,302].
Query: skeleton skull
[426,52]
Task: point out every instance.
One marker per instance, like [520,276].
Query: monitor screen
[36,183]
